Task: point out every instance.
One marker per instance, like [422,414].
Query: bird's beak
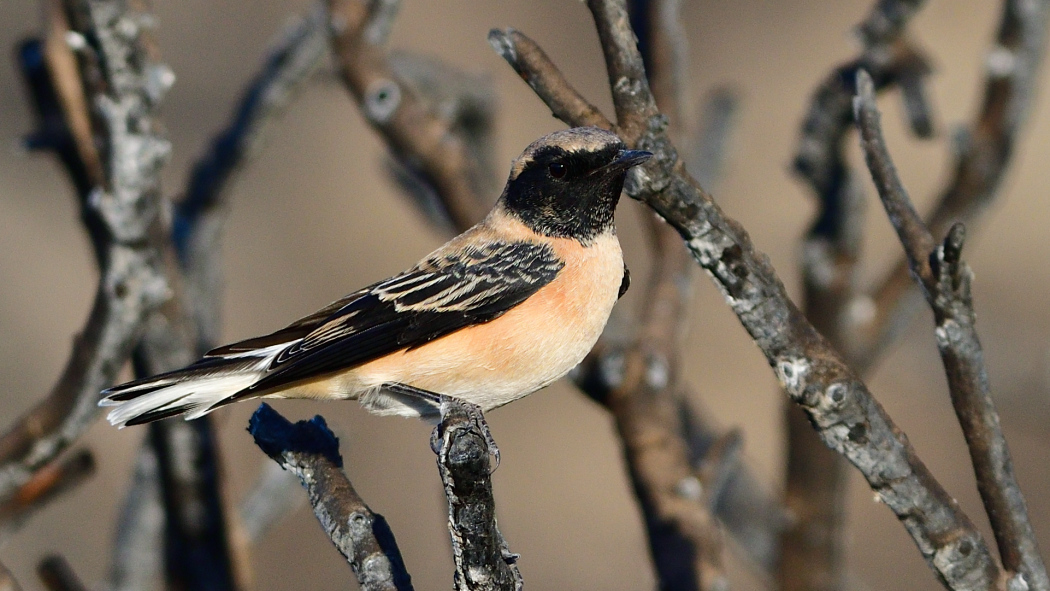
[626,159]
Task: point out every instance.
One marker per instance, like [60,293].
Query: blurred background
[316,216]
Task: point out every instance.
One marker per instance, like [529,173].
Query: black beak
[626,159]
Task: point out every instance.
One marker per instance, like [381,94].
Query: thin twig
[981,160]
[813,374]
[57,575]
[310,450]
[946,282]
[126,86]
[537,70]
[393,110]
[483,559]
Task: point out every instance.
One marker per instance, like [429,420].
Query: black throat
[581,205]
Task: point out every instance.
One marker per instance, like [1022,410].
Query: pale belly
[494,363]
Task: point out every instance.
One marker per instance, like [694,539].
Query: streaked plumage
[498,312]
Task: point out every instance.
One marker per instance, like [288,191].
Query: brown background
[315,217]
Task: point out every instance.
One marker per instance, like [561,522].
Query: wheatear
[498,312]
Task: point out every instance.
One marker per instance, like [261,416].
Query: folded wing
[448,291]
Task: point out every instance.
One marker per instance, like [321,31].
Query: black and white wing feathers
[448,291]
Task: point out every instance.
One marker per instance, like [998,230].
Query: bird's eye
[557,170]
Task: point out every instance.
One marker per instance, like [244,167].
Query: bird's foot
[446,405]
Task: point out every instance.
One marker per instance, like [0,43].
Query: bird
[498,312]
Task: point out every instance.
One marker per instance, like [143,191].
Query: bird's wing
[446,292]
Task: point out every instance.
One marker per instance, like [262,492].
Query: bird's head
[567,184]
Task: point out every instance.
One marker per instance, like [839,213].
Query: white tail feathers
[194,391]
[194,398]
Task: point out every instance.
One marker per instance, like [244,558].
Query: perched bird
[498,312]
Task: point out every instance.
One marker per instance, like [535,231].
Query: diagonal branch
[946,283]
[47,484]
[811,550]
[537,70]
[310,450]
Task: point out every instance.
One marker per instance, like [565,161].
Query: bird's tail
[193,391]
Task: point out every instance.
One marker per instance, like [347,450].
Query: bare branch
[1013,64]
[483,559]
[124,87]
[847,417]
[946,281]
[393,110]
[632,100]
[310,450]
[812,551]
[137,551]
[537,70]
[57,575]
[48,483]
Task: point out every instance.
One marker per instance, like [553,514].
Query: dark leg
[442,402]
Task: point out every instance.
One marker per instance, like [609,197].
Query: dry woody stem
[394,110]
[483,559]
[946,282]
[982,153]
[121,210]
[310,450]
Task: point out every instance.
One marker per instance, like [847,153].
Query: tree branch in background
[685,541]
[466,102]
[393,110]
[840,406]
[982,155]
[946,282]
[137,550]
[124,87]
[812,549]
[197,541]
[483,559]
[57,575]
[47,484]
[310,450]
[201,215]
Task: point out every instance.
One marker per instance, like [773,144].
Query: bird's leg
[443,403]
